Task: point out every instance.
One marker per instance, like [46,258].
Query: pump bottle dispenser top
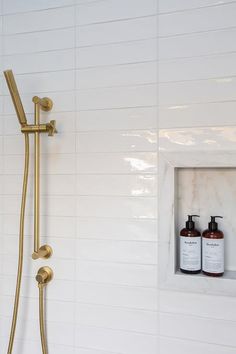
[213,225]
[190,224]
[213,249]
[190,248]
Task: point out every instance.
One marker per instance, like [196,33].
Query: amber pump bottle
[190,248]
[213,249]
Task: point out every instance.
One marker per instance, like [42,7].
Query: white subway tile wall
[196,88]
[196,51]
[117,71]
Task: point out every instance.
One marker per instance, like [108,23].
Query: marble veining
[209,191]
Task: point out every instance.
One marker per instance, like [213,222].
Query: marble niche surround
[184,153]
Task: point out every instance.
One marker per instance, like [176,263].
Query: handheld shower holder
[45,104]
[49,128]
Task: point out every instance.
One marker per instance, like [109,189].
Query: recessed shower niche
[202,183]
[206,192]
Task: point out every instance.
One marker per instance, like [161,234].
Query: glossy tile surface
[98,62]
[117,71]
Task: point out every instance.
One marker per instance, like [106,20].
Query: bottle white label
[213,255]
[190,253]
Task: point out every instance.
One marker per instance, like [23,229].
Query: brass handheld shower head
[15,97]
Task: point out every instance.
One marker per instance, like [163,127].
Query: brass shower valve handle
[44,252]
[51,127]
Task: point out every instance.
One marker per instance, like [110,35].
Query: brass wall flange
[44,252]
[44,275]
[45,103]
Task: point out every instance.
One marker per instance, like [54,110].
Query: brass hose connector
[44,275]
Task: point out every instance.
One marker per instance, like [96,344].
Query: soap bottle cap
[213,226]
[190,223]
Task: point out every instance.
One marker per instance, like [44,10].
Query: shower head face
[15,97]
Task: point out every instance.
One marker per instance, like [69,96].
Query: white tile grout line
[76,148]
[3,107]
[157,216]
[88,3]
[203,7]
[2,110]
